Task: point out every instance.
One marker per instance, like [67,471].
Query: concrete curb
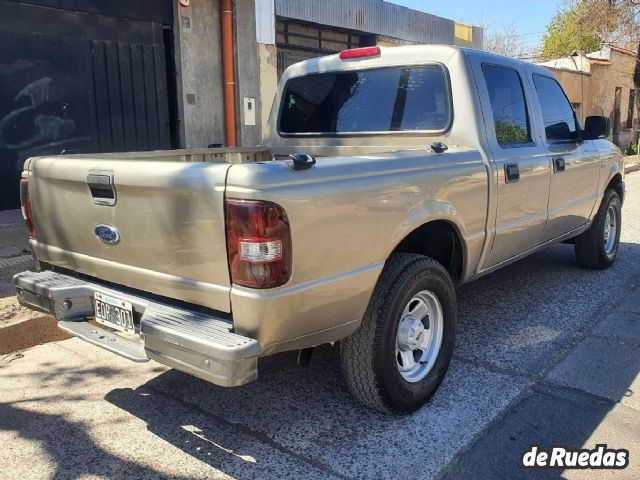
[631,167]
[29,333]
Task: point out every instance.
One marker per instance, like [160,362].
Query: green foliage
[507,132]
[632,149]
[571,30]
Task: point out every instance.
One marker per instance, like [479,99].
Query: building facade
[81,76]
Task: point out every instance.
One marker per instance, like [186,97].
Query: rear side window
[557,112]
[387,99]
[508,105]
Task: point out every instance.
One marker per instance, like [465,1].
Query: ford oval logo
[107,234]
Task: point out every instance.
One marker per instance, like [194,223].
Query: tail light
[25,204]
[258,243]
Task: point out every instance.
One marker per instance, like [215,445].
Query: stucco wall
[268,80]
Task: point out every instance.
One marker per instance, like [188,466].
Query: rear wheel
[598,246]
[398,357]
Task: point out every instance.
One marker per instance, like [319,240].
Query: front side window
[557,113]
[389,99]
[508,105]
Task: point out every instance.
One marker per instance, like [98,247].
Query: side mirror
[596,127]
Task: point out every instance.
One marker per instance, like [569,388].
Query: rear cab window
[508,105]
[387,99]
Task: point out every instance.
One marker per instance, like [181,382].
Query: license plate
[114,313]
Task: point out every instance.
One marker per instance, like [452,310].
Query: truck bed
[165,210]
[193,155]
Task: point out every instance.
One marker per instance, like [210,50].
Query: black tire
[368,356]
[590,245]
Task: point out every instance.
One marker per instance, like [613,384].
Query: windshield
[386,99]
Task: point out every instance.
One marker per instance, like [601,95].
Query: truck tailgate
[169,217]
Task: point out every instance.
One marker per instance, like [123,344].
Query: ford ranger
[390,177]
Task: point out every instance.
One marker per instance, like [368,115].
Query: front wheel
[398,357]
[598,247]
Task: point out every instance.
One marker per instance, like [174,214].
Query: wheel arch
[617,184]
[441,240]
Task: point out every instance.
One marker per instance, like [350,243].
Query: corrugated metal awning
[377,17]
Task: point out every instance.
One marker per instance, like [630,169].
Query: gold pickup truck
[392,175]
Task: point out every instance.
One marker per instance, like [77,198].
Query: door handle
[511,172]
[558,165]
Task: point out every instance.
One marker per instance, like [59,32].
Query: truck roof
[400,55]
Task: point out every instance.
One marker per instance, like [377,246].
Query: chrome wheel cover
[610,230]
[419,336]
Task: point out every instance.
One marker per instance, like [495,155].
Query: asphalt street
[547,354]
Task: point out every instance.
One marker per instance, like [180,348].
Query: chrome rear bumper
[199,344]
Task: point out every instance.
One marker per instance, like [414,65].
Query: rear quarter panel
[347,214]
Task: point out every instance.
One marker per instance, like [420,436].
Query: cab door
[522,170]
[575,163]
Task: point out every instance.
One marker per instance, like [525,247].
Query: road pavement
[548,354]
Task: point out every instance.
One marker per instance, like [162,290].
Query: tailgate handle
[102,188]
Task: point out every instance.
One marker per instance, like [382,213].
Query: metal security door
[78,82]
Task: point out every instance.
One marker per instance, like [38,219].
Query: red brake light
[25,204]
[359,52]
[258,243]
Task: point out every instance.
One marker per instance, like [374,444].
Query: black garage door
[81,77]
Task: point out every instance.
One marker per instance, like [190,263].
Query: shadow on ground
[68,445]
[515,327]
